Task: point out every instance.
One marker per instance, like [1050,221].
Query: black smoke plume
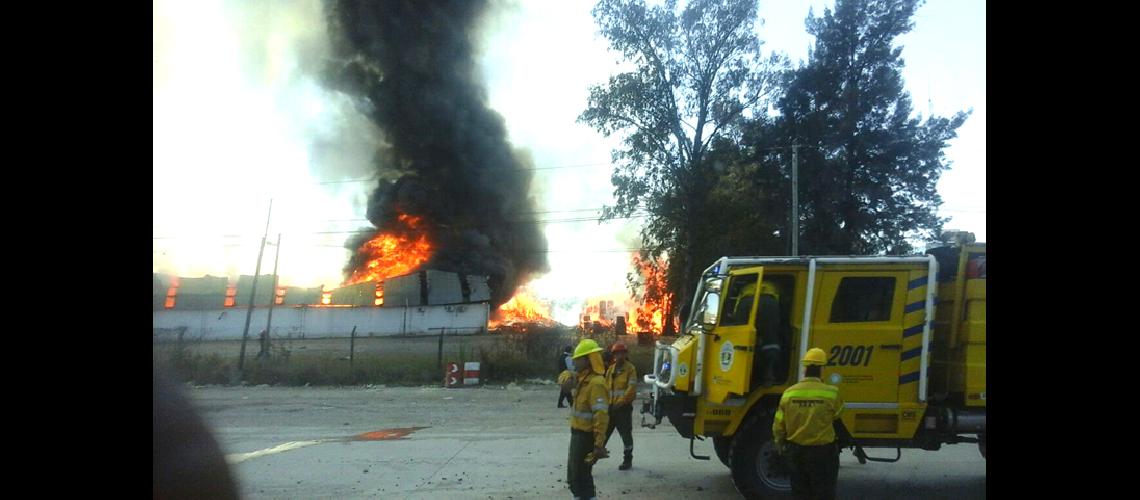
[412,64]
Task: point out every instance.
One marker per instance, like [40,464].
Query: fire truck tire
[757,470]
[722,445]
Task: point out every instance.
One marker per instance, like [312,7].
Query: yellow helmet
[815,356]
[586,346]
[749,289]
[767,288]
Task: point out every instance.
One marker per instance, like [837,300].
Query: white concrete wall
[314,322]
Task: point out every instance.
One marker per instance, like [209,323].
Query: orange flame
[605,309]
[522,308]
[645,311]
[656,299]
[231,296]
[172,292]
[393,253]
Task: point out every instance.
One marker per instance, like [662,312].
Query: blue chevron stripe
[914,330]
[913,353]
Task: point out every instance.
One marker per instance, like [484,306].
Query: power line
[513,222]
[570,220]
[582,165]
[543,212]
[363,230]
[578,250]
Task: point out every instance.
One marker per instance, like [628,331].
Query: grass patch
[514,355]
[528,351]
[510,355]
[335,370]
[211,369]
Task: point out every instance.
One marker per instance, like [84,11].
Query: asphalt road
[494,442]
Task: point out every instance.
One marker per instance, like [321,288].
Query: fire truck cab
[905,339]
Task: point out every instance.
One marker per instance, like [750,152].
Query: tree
[868,169]
[697,73]
[748,207]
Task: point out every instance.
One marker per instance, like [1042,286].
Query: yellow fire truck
[906,345]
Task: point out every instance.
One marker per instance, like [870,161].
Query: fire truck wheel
[722,445]
[757,470]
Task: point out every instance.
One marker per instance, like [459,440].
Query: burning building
[435,287]
[451,213]
[522,308]
[207,308]
[606,314]
[453,194]
[645,309]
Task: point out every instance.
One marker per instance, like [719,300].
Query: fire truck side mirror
[710,305]
[713,284]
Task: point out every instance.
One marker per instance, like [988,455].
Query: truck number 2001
[847,355]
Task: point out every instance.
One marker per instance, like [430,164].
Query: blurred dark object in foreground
[187,461]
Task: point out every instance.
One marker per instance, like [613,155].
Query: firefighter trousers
[579,474]
[621,418]
[814,470]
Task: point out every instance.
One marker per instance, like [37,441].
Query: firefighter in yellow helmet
[770,338]
[803,431]
[621,379]
[589,419]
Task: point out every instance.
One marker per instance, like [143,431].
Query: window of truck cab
[863,299]
[738,300]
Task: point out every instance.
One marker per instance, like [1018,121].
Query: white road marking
[236,458]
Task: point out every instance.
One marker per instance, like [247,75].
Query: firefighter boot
[626,463]
[769,379]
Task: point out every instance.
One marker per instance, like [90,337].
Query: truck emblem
[726,355]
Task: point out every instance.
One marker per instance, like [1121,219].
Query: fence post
[351,349]
[439,353]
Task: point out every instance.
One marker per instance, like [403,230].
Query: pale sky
[240,118]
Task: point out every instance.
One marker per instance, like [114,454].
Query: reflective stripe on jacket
[806,412]
[590,412]
[622,383]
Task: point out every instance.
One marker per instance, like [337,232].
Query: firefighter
[565,369]
[621,379]
[803,431]
[589,419]
[768,326]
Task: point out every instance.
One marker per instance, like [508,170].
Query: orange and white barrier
[451,375]
[471,373]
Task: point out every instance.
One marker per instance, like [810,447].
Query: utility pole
[273,296]
[795,200]
[249,312]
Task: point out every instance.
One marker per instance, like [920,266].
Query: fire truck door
[733,347]
[858,322]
